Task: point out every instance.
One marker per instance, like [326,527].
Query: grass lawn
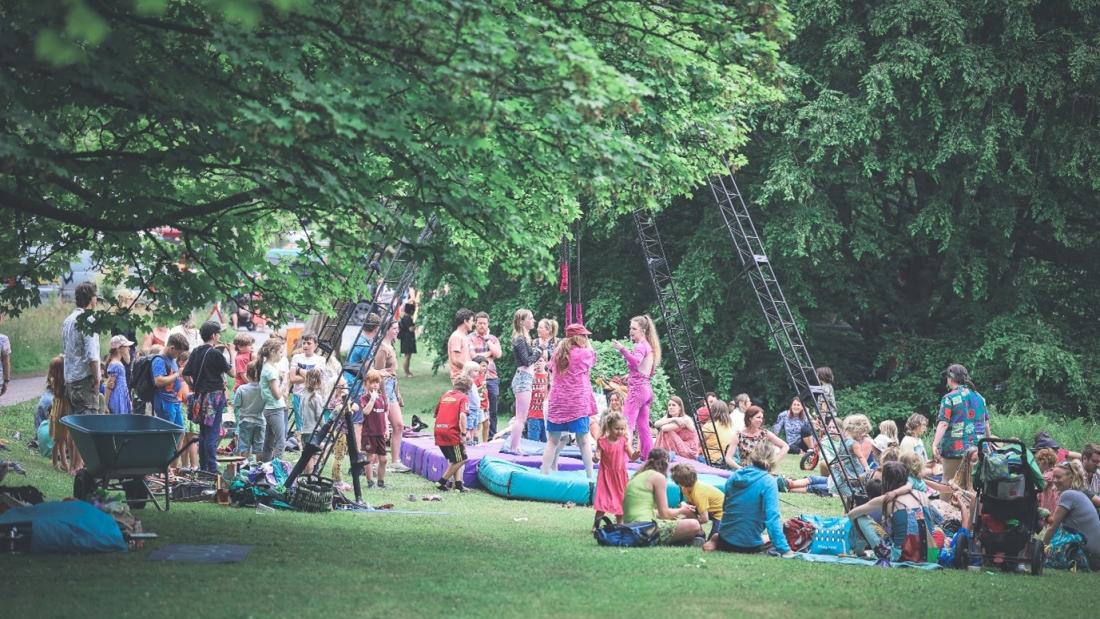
[485,557]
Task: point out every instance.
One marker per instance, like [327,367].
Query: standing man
[963,419]
[458,345]
[205,372]
[484,344]
[81,352]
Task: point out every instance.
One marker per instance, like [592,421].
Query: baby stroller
[1006,513]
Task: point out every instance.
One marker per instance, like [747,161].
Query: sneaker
[398,467]
[443,486]
[370,485]
[381,485]
[698,541]
[459,487]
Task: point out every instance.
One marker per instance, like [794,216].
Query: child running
[705,498]
[612,452]
[450,419]
[373,404]
[248,408]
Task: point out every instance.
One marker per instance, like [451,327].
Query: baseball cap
[120,341]
[576,329]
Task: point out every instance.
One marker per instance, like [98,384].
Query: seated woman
[1075,510]
[717,432]
[745,441]
[793,426]
[751,506]
[858,428]
[676,431]
[905,517]
[646,500]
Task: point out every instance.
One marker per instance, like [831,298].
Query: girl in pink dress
[612,452]
[641,362]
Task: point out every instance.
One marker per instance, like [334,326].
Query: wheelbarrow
[119,451]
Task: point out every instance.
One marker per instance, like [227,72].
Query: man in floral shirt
[963,419]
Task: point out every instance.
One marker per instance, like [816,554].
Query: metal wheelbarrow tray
[124,448]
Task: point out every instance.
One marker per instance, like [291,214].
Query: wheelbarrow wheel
[83,484]
[137,494]
[1038,556]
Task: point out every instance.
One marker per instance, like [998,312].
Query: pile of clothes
[261,484]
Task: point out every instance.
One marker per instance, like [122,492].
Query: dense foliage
[237,121]
[927,196]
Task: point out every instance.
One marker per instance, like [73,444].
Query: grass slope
[485,557]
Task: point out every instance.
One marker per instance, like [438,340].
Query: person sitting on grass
[744,441]
[450,424]
[646,500]
[676,431]
[858,428]
[717,432]
[703,497]
[751,506]
[793,426]
[887,438]
[1075,509]
[905,517]
[374,405]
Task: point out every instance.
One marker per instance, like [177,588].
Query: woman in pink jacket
[571,401]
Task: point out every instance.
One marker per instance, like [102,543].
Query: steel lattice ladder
[676,331]
[784,331]
[401,268]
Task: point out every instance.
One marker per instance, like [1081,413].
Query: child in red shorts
[373,437]
[450,424]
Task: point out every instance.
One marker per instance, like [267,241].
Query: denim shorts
[390,387]
[522,382]
[250,436]
[577,426]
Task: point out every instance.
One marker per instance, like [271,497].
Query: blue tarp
[864,562]
[69,526]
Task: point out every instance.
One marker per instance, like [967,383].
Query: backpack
[144,386]
[631,534]
[799,534]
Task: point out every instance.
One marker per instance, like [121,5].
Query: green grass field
[481,556]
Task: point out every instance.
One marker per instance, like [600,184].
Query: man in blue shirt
[166,377]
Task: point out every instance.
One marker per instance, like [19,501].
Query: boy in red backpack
[450,425]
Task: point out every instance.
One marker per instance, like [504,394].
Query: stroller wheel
[1037,555]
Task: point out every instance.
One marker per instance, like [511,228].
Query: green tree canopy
[927,194]
[237,121]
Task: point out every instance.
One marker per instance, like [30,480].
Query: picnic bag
[631,534]
[799,534]
[830,534]
[143,384]
[312,493]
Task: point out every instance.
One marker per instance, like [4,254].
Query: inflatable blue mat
[515,481]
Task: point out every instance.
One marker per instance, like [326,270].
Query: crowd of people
[278,400]
[904,488]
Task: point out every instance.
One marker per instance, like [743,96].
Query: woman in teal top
[646,500]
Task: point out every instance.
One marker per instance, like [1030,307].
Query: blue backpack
[631,534]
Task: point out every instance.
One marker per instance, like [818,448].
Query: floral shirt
[967,417]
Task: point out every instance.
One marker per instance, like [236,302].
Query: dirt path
[23,389]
